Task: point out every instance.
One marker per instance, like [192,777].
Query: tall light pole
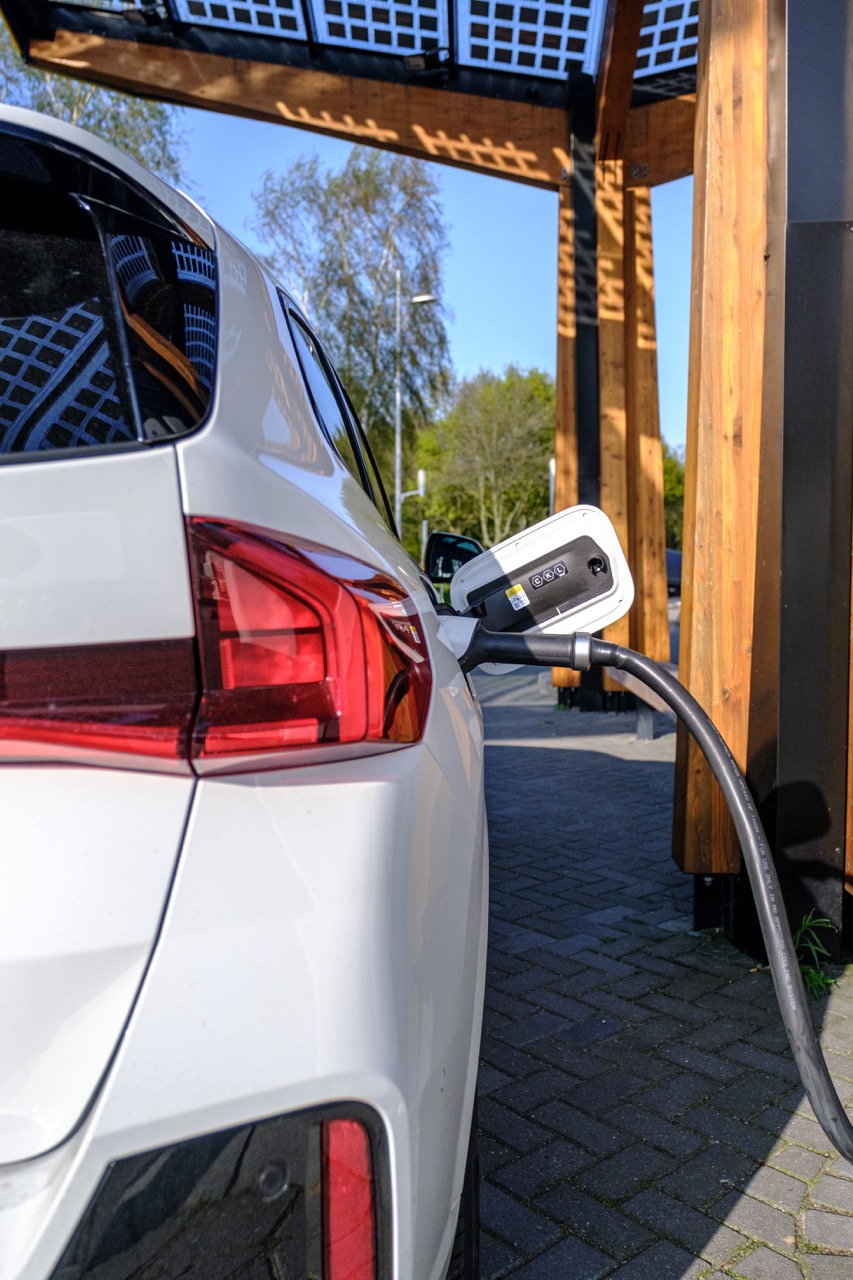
[398,400]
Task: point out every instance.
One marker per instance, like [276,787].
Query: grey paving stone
[509,1127]
[652,1128]
[822,1267]
[795,1128]
[696,1231]
[567,1260]
[759,1221]
[599,1224]
[580,1035]
[675,1096]
[833,1193]
[496,1258]
[604,1090]
[707,1177]
[829,1230]
[799,1161]
[623,1174]
[738,1134]
[780,1190]
[664,1261]
[540,1086]
[533,1027]
[764,1264]
[576,1126]
[517,1224]
[752,1092]
[550,1165]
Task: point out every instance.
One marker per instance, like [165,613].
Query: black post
[801,778]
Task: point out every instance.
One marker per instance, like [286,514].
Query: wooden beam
[609,201]
[615,80]
[566,446]
[659,142]
[650,614]
[520,141]
[566,443]
[724,412]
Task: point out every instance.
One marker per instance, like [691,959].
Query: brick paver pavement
[640,1113]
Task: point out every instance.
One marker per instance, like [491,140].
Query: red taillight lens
[296,647]
[300,647]
[134,699]
[349,1218]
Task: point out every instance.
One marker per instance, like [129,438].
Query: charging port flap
[563,575]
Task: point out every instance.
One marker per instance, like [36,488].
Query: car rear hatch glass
[107,308]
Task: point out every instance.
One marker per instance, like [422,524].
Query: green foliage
[148,131]
[812,954]
[487,460]
[673,495]
[337,240]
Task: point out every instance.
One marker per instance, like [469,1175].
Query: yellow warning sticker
[517,596]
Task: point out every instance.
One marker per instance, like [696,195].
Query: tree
[487,461]
[336,240]
[673,495]
[148,131]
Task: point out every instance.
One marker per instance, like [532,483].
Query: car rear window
[107,308]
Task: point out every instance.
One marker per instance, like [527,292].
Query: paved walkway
[640,1114]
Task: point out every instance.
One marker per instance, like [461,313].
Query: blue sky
[500,274]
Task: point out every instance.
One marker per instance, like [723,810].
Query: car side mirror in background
[446,553]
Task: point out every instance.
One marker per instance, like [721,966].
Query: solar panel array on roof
[541,38]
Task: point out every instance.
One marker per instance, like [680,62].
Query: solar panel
[541,38]
[535,37]
[668,36]
[267,17]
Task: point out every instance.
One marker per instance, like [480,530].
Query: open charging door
[564,575]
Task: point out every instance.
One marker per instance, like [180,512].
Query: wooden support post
[609,205]
[615,80]
[647,535]
[566,446]
[724,412]
[566,443]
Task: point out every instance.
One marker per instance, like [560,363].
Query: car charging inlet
[582,651]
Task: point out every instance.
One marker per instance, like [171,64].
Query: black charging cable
[580,652]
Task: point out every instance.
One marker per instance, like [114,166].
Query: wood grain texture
[615,80]
[724,412]
[522,142]
[609,208]
[659,142]
[647,533]
[566,443]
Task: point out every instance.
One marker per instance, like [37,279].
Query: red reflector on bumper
[349,1226]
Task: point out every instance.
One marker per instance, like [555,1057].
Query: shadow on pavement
[640,1113]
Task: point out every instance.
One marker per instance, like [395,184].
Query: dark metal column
[806,808]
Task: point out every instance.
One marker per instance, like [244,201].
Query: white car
[244,868]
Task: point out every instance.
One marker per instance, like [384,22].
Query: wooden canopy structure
[599,100]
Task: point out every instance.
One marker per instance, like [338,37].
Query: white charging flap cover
[566,574]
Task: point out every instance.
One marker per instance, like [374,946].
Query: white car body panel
[88,857]
[261,943]
[93,551]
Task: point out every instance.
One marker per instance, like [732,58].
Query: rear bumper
[313,954]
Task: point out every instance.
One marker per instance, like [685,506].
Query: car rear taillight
[298,648]
[349,1214]
[87,702]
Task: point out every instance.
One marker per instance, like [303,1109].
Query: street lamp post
[398,399]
